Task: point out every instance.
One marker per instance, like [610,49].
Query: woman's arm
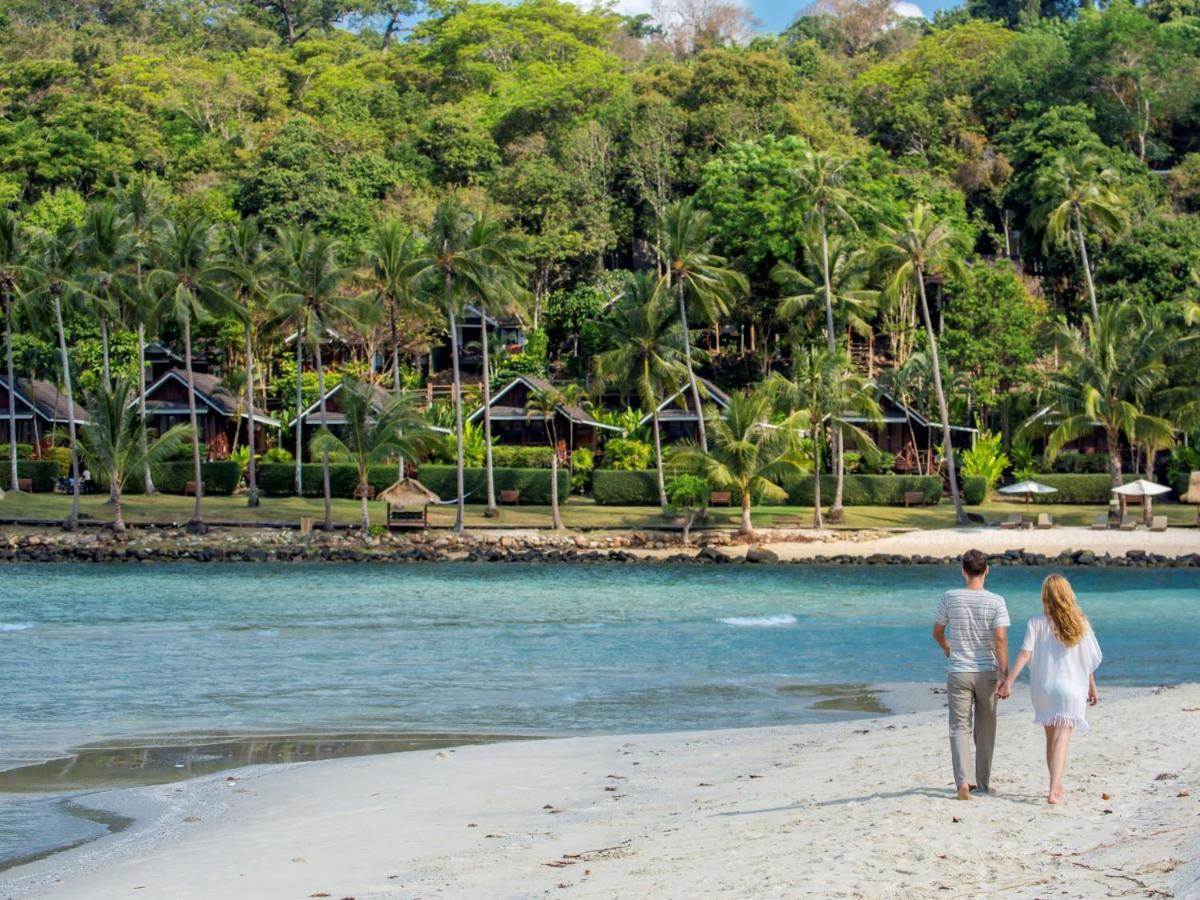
[1004,687]
[1093,694]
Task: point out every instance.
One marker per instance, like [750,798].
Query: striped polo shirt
[970,617]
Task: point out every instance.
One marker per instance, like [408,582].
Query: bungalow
[513,423]
[506,331]
[40,408]
[311,420]
[219,415]
[677,419]
[909,435]
[1037,429]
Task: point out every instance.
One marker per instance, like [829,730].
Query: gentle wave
[779,621]
[15,626]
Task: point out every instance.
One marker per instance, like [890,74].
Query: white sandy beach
[855,809]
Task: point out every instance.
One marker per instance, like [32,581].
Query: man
[977,659]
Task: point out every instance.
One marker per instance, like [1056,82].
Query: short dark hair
[974,563]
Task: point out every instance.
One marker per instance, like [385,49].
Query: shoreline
[1062,546]
[783,810]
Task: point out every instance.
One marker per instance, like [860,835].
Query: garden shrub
[975,489]
[1080,463]
[220,478]
[615,487]
[867,490]
[627,455]
[522,457]
[986,459]
[688,491]
[583,461]
[62,456]
[24,451]
[534,484]
[43,472]
[1078,488]
[279,479]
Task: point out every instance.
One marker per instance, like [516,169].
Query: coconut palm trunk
[396,380]
[104,351]
[658,463]
[816,439]
[73,518]
[363,484]
[943,411]
[12,389]
[747,527]
[687,359]
[492,509]
[141,339]
[460,512]
[328,524]
[196,525]
[1087,266]
[251,471]
[839,445]
[299,412]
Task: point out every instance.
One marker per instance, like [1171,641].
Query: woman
[1065,657]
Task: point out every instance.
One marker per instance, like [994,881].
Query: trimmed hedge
[219,478]
[43,472]
[974,490]
[1078,488]
[868,490]
[279,479]
[510,457]
[24,451]
[614,487]
[534,484]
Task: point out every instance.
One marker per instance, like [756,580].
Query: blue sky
[776,16]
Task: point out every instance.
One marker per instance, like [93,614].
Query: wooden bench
[407,518]
[721,498]
[513,497]
[25,484]
[364,489]
[914,497]
[189,489]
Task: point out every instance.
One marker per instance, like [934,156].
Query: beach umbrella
[1144,489]
[1028,488]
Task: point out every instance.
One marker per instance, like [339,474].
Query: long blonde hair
[1066,618]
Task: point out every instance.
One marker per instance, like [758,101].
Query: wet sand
[856,808]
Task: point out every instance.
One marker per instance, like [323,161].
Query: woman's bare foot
[964,792]
[1055,796]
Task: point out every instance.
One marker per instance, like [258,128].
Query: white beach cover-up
[1058,675]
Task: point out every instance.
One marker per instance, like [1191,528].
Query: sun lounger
[1159,523]
[1015,520]
[1100,523]
[1128,523]
[1044,521]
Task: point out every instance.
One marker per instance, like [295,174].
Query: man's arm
[1000,647]
[939,635]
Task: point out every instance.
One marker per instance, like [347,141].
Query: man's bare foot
[964,792]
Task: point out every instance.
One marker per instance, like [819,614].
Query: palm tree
[1076,193]
[108,246]
[371,437]
[921,248]
[844,271]
[499,292]
[647,356]
[141,201]
[189,283]
[54,267]
[249,269]
[112,442]
[310,283]
[699,278]
[390,257]
[1109,371]
[909,383]
[450,263]
[12,264]
[825,388]
[544,404]
[748,453]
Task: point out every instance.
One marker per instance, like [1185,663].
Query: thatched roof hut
[408,494]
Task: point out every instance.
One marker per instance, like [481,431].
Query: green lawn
[578,512]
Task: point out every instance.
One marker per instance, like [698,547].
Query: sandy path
[858,809]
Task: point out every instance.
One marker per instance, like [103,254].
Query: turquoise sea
[92,653]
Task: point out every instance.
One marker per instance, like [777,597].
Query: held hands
[1003,689]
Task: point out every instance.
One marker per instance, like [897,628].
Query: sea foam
[777,621]
[15,626]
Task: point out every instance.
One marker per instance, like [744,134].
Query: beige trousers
[971,698]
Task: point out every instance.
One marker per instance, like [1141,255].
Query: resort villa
[40,407]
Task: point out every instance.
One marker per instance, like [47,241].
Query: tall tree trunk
[1087,266]
[118,522]
[487,417]
[147,478]
[747,527]
[251,471]
[396,380]
[105,369]
[1113,439]
[73,518]
[328,524]
[836,512]
[299,410]
[196,525]
[460,513]
[948,448]
[12,391]
[554,515]
[366,508]
[816,438]
[687,358]
[658,462]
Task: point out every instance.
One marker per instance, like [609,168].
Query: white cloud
[625,7]
[908,10]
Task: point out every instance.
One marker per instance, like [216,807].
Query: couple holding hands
[1062,654]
